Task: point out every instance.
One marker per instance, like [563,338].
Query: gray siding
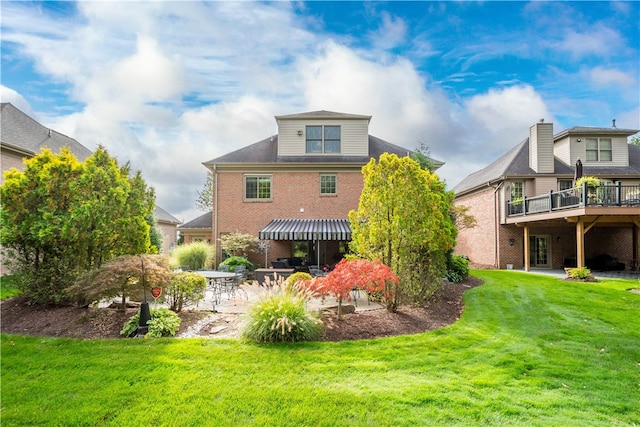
[541,147]
[354,136]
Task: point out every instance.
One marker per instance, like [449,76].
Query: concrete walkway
[623,274]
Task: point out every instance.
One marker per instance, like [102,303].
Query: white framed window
[517,191]
[598,149]
[328,184]
[323,139]
[257,187]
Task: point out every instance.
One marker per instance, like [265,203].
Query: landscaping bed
[91,323]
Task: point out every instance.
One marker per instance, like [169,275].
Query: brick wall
[291,192]
[479,243]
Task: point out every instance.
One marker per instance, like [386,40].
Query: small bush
[235,261]
[282,317]
[195,256]
[580,273]
[163,323]
[185,288]
[457,268]
[291,280]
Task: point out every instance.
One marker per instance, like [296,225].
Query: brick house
[198,229]
[531,214]
[23,137]
[294,190]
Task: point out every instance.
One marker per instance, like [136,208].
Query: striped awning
[306,229]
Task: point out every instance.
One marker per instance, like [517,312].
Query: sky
[168,85]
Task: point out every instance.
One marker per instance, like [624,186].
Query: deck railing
[603,195]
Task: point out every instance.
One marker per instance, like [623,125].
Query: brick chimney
[541,147]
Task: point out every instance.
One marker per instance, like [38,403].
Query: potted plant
[592,187]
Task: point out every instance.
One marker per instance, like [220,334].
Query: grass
[528,350]
[8,287]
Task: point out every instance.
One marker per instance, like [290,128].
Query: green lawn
[529,350]
[8,287]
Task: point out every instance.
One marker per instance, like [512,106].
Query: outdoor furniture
[217,284]
[261,273]
[279,264]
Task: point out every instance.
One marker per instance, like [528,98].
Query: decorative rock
[217,329]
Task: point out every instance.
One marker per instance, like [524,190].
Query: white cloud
[391,33]
[169,85]
[610,77]
[9,95]
[597,40]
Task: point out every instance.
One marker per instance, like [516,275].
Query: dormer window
[598,149]
[323,139]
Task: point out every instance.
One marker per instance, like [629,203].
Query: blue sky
[169,85]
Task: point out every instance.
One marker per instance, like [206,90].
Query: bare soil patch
[445,308]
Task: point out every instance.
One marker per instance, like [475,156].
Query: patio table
[217,282]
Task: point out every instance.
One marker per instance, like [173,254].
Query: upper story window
[257,187]
[598,149]
[323,139]
[517,191]
[328,184]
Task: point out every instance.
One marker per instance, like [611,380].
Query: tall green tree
[61,218]
[403,219]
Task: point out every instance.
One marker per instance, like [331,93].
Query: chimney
[541,147]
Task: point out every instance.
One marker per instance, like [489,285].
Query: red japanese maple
[371,276]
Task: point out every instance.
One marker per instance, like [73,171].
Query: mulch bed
[92,323]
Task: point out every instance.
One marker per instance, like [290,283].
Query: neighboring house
[23,137]
[197,230]
[531,215]
[294,190]
[166,223]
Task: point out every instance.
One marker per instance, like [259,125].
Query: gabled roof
[203,221]
[266,151]
[22,133]
[515,164]
[322,114]
[165,217]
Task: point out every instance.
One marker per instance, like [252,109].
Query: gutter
[495,224]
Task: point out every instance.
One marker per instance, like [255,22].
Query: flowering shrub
[282,316]
[371,276]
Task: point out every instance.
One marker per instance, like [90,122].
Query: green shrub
[235,261]
[163,323]
[291,280]
[185,288]
[591,181]
[457,268]
[195,256]
[580,273]
[282,317]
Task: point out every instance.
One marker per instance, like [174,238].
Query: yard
[528,350]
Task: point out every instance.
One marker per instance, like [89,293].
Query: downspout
[215,212]
[495,224]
